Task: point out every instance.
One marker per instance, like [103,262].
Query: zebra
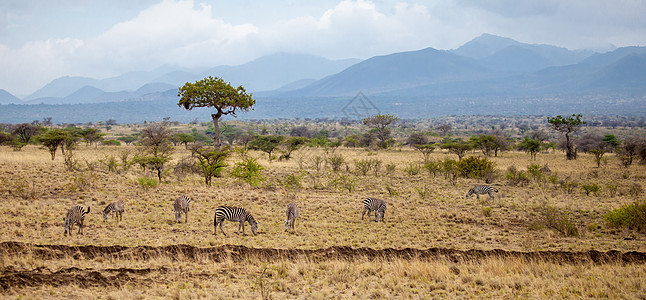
[376,205]
[482,189]
[75,215]
[292,214]
[117,208]
[181,205]
[234,214]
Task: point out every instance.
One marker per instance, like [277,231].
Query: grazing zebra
[376,205]
[181,205]
[481,190]
[233,214]
[117,208]
[292,214]
[76,214]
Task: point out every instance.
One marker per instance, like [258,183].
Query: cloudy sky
[41,40]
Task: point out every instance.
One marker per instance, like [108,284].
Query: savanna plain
[544,238]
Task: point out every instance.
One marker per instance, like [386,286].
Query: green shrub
[515,177]
[147,183]
[345,182]
[111,143]
[590,188]
[612,189]
[249,170]
[535,171]
[630,215]
[335,161]
[363,166]
[432,167]
[412,169]
[475,167]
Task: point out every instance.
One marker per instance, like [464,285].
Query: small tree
[184,138]
[458,148]
[532,146]
[52,139]
[217,94]
[611,141]
[426,150]
[266,143]
[598,154]
[567,126]
[292,144]
[380,124]
[25,132]
[210,162]
[157,147]
[443,129]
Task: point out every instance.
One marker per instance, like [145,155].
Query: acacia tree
[567,126]
[380,124]
[532,146]
[217,94]
[157,148]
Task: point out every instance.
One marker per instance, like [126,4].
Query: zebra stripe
[292,214]
[181,205]
[75,215]
[376,205]
[481,190]
[233,214]
[117,208]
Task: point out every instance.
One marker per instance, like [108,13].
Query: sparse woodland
[547,233]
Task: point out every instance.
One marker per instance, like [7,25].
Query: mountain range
[488,66]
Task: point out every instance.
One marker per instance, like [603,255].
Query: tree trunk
[569,150]
[216,137]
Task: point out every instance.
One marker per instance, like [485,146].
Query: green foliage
[412,169]
[451,170]
[185,138]
[364,166]
[380,123]
[210,162]
[458,148]
[53,139]
[248,170]
[598,154]
[292,144]
[486,143]
[110,162]
[611,141]
[335,161]
[476,167]
[531,146]
[567,126]
[147,183]
[515,177]
[292,182]
[111,143]
[612,189]
[590,188]
[432,167]
[128,138]
[266,143]
[217,94]
[346,182]
[630,215]
[425,149]
[535,171]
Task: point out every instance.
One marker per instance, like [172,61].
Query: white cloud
[190,33]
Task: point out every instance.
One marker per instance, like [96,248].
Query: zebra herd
[76,214]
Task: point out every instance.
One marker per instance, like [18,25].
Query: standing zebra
[233,214]
[117,208]
[292,214]
[75,215]
[481,190]
[181,205]
[376,205]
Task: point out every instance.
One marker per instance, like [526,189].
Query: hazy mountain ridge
[504,76]
[257,75]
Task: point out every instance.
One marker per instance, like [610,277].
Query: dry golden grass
[423,212]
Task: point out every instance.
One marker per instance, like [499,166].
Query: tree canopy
[567,126]
[215,93]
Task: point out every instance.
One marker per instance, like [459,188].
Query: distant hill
[265,73]
[512,70]
[8,98]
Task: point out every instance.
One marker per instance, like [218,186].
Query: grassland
[424,212]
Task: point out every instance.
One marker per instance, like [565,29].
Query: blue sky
[41,40]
